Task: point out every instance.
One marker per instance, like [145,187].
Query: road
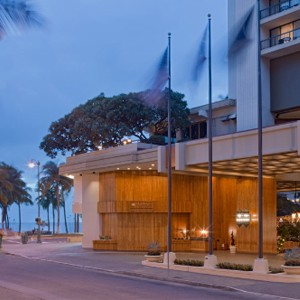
[23,278]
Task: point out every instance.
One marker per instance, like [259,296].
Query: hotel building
[122,192]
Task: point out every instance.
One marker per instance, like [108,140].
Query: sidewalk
[130,263]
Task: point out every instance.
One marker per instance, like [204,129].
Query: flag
[161,76]
[159,81]
[243,33]
[201,56]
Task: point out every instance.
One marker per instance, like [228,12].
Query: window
[285,33]
[196,131]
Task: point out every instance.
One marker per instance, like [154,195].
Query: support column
[91,223]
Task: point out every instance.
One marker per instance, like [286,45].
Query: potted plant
[292,261]
[232,246]
[24,237]
[154,252]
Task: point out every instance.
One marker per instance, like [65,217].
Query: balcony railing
[280,39]
[274,9]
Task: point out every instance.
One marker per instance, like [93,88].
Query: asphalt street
[71,255]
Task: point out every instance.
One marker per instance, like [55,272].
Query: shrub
[292,262]
[154,249]
[275,270]
[292,254]
[292,257]
[232,266]
[189,262]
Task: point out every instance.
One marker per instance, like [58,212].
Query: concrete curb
[228,273]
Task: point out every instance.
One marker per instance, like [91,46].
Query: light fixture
[127,141]
[32,164]
[242,218]
[204,233]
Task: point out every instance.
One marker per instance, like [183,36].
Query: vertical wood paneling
[134,230]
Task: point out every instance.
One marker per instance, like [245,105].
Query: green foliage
[280,242]
[13,189]
[275,270]
[106,122]
[189,262]
[154,248]
[232,266]
[289,231]
[52,184]
[292,257]
[285,207]
[17,15]
[292,262]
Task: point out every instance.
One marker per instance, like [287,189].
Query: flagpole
[260,157]
[260,264]
[169,244]
[210,200]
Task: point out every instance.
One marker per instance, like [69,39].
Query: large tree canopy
[106,122]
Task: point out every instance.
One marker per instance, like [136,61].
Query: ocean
[27,226]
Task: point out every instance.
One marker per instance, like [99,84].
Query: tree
[55,182]
[106,122]
[12,190]
[17,15]
[46,199]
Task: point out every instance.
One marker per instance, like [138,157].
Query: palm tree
[22,197]
[64,191]
[47,200]
[6,186]
[53,181]
[12,190]
[17,15]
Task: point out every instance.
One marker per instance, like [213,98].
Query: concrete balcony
[277,15]
[280,45]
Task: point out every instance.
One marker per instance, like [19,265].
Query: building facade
[122,192]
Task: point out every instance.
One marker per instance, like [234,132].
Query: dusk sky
[87,47]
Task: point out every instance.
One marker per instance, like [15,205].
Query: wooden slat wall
[134,229]
[232,194]
[224,207]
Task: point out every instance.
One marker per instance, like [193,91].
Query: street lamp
[35,163]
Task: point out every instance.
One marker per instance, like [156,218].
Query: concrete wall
[243,69]
[91,225]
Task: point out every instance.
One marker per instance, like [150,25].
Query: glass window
[275,36]
[203,130]
[195,131]
[297,24]
[274,2]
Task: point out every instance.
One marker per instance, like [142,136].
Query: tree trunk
[3,217]
[48,218]
[53,218]
[58,210]
[7,220]
[20,219]
[65,215]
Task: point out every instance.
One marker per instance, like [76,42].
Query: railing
[274,9]
[280,39]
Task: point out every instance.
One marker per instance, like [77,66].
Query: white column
[180,156]
[91,218]
[77,199]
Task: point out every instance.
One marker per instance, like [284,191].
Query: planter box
[154,258]
[105,245]
[291,270]
[232,249]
